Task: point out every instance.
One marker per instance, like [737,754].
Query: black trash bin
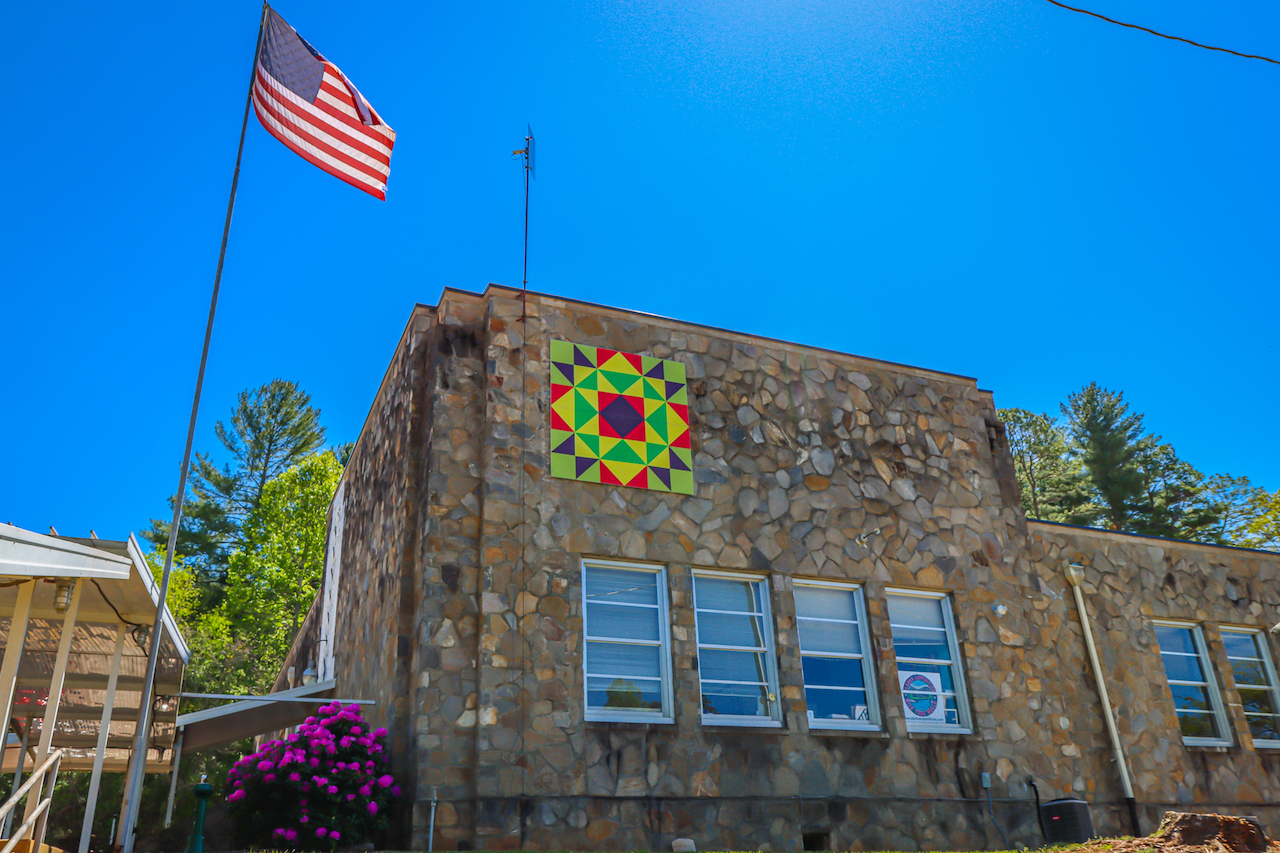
[1067,821]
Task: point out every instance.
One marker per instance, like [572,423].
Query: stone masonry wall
[797,454]
[446,630]
[808,464]
[1131,580]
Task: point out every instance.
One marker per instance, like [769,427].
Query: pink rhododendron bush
[326,786]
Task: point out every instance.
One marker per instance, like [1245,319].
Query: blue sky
[1005,190]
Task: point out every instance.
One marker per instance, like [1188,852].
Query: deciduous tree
[1054,487]
[273,577]
[1263,527]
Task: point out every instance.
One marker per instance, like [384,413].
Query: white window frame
[774,720]
[963,724]
[1260,640]
[615,715]
[873,721]
[1210,684]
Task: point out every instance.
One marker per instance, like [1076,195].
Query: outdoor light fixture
[1275,629]
[62,595]
[309,675]
[1000,609]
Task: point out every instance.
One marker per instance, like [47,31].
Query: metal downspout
[1075,576]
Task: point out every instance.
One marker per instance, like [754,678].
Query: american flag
[306,102]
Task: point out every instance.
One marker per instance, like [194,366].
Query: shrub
[323,787]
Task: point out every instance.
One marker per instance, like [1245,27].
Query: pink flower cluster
[332,770]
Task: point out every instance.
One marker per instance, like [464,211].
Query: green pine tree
[1106,439]
[272,428]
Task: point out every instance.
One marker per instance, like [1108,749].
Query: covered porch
[76,616]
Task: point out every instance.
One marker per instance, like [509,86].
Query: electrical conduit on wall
[1075,576]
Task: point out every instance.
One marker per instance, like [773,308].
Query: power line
[1164,35]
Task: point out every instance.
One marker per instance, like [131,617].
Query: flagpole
[138,767]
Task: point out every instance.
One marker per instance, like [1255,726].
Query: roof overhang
[116,590]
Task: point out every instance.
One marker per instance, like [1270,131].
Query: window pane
[1249,672]
[721,594]
[914,610]
[623,623]
[825,603]
[836,704]
[1257,701]
[729,629]
[1175,639]
[1182,668]
[1240,644]
[832,672]
[739,699]
[622,659]
[719,665]
[921,643]
[624,694]
[1264,728]
[621,586]
[1197,725]
[829,637]
[920,631]
[1189,698]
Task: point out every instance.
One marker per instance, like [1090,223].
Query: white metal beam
[95,778]
[17,776]
[55,689]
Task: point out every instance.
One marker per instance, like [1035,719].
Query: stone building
[817,619]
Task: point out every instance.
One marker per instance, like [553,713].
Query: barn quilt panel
[619,418]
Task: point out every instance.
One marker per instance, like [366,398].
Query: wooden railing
[40,815]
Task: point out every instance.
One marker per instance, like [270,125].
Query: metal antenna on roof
[527,153]
[521,576]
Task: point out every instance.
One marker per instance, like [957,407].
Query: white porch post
[108,705]
[55,693]
[13,649]
[173,781]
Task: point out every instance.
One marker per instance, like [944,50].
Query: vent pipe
[1075,576]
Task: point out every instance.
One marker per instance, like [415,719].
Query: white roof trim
[27,554]
[153,589]
[245,704]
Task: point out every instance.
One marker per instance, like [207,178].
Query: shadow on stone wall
[753,823]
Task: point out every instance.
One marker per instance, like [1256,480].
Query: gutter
[1075,576]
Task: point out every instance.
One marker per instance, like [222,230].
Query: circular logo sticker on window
[920,696]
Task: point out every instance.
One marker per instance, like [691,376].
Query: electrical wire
[1164,35]
[115,609]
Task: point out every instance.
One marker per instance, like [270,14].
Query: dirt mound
[1225,832]
[1184,832]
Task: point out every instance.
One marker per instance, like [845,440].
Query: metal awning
[252,717]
